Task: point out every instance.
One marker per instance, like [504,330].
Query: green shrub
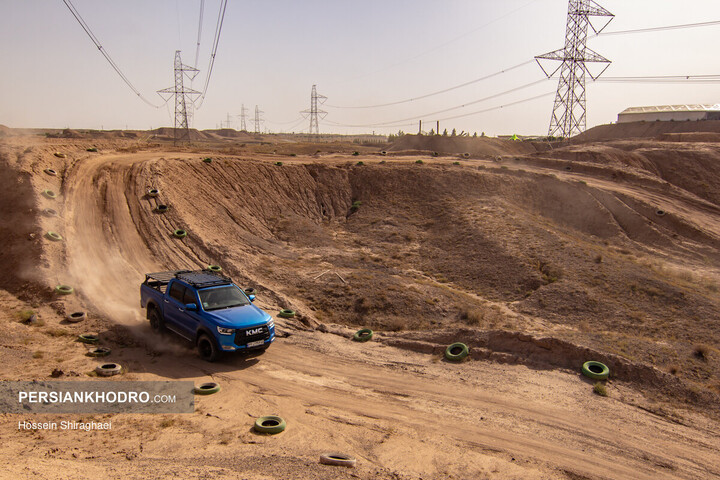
[279,164]
[419,161]
[360,163]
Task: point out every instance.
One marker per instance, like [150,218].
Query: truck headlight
[225,331]
[270,324]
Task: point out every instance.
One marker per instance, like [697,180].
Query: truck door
[176,318]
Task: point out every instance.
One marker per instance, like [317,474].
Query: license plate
[255,344]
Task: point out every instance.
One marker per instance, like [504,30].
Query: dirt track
[403,414]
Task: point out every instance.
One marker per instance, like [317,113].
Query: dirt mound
[475,146]
[68,133]
[168,133]
[228,133]
[618,131]
[4,130]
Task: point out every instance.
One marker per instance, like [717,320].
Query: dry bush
[473,316]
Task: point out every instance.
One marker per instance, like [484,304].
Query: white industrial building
[667,113]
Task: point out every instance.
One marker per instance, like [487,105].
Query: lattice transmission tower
[243,125]
[569,111]
[183,97]
[258,120]
[314,113]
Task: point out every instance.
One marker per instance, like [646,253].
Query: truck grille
[247,335]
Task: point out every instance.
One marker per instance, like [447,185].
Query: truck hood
[239,317]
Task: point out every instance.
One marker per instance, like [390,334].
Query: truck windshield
[222,297]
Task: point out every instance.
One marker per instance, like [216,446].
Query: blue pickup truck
[208,309]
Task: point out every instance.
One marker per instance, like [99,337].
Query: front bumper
[247,339]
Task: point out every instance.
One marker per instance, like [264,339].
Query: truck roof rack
[196,278]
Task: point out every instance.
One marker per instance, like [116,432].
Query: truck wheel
[207,348]
[156,323]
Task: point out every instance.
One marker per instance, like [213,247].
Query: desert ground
[539,256]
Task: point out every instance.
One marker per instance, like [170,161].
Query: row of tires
[455,352]
[458,351]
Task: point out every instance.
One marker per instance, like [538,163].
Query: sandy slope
[404,415]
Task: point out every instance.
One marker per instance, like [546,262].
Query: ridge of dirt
[458,145]
[650,130]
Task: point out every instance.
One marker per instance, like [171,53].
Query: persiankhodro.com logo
[46,397]
[30,397]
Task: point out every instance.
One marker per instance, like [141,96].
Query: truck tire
[88,338]
[339,459]
[76,317]
[456,352]
[271,424]
[207,388]
[363,335]
[595,370]
[99,352]
[207,348]
[156,321]
[108,369]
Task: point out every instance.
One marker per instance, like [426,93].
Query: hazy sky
[359,52]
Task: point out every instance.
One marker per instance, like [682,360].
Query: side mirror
[191,307]
[251,297]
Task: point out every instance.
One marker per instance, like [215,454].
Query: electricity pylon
[314,112]
[569,111]
[183,96]
[243,126]
[257,119]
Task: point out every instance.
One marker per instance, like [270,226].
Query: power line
[694,79]
[484,99]
[94,39]
[660,29]
[529,99]
[437,47]
[197,50]
[477,112]
[216,41]
[439,91]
